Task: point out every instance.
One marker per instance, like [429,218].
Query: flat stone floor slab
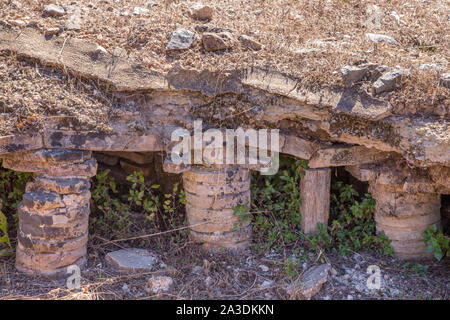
[132,260]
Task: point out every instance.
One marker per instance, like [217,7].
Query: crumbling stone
[217,41]
[54,212]
[351,74]
[136,157]
[106,159]
[250,42]
[408,201]
[129,168]
[403,217]
[389,80]
[310,283]
[201,12]
[335,156]
[211,196]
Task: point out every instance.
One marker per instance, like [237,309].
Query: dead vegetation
[310,40]
[30,94]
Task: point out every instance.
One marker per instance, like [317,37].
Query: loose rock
[445,80]
[138,11]
[388,81]
[52,31]
[264,268]
[180,39]
[17,23]
[217,41]
[74,19]
[312,282]
[159,284]
[53,10]
[201,12]
[131,260]
[380,38]
[250,42]
[351,74]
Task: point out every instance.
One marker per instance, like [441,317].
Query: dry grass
[29,94]
[334,28]
[220,276]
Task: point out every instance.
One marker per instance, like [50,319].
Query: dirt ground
[200,275]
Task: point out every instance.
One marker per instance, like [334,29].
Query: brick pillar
[54,212]
[404,216]
[211,195]
[315,194]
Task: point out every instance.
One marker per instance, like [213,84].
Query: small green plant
[12,188]
[4,234]
[275,206]
[415,268]
[437,242]
[290,267]
[111,214]
[114,206]
[352,225]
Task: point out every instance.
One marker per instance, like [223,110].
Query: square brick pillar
[54,212]
[315,194]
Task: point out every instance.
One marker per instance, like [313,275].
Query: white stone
[445,80]
[159,284]
[264,268]
[54,10]
[138,11]
[380,38]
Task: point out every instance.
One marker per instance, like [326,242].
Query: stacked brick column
[54,212]
[404,216]
[211,196]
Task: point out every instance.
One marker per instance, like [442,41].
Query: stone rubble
[200,11]
[310,283]
[181,39]
[389,80]
[445,80]
[74,20]
[380,38]
[351,74]
[158,284]
[217,41]
[53,10]
[250,42]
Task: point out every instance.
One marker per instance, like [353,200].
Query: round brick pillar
[54,212]
[404,216]
[211,196]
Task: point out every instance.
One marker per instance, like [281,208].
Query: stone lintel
[336,156]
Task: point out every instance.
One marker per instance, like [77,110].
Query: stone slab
[132,260]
